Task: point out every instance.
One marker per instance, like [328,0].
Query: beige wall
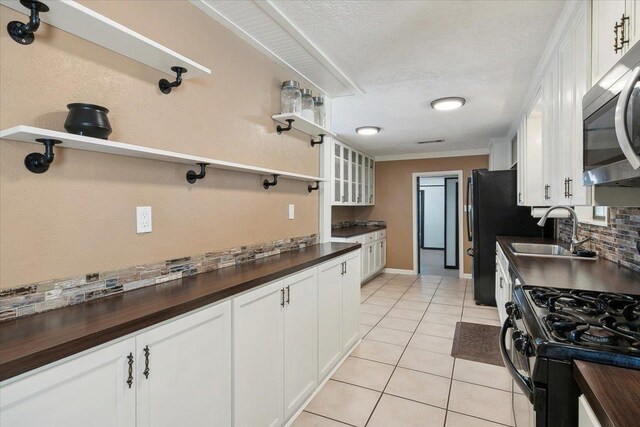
[79,217]
[394,202]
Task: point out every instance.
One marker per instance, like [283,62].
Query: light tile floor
[402,373]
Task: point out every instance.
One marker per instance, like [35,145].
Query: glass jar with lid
[319,113]
[290,98]
[308,105]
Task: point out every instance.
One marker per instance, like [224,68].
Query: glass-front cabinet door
[353,195]
[345,174]
[372,180]
[360,170]
[337,173]
[367,178]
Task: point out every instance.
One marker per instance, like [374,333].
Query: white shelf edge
[303,125]
[23,133]
[85,23]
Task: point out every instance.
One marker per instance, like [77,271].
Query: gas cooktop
[598,326]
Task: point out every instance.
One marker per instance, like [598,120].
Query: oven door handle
[523,382]
[621,119]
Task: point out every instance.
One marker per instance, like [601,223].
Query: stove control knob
[512,310]
[523,345]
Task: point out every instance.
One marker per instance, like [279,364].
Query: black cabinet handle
[146,362]
[288,294]
[282,297]
[130,363]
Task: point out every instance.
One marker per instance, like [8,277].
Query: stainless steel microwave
[611,112]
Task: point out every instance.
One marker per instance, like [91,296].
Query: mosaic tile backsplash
[617,242]
[45,296]
[347,224]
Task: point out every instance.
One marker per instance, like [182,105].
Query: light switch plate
[143,219]
[292,211]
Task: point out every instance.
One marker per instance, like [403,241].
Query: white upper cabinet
[615,28]
[352,176]
[550,137]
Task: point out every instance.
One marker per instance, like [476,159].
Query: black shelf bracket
[192,176]
[316,187]
[320,141]
[266,184]
[166,86]
[23,33]
[280,129]
[39,163]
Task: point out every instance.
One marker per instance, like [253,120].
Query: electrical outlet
[143,219]
[292,211]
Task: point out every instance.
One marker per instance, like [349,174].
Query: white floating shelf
[77,19]
[29,134]
[302,124]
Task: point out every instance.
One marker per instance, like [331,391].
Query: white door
[300,339]
[383,253]
[184,370]
[605,15]
[329,316]
[350,301]
[364,262]
[258,359]
[372,259]
[550,145]
[89,390]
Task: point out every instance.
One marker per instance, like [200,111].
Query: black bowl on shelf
[88,120]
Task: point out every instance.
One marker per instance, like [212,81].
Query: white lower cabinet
[350,301]
[258,357]
[373,254]
[329,316]
[184,371]
[251,361]
[338,310]
[89,390]
[300,339]
[175,374]
[275,350]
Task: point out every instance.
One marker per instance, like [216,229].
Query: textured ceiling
[404,54]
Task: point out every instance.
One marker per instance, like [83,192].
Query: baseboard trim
[466,276]
[398,271]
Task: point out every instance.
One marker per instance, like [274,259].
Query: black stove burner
[597,320]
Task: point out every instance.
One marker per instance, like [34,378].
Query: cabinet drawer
[368,238]
[381,234]
[356,239]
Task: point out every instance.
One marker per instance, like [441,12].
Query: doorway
[438,225]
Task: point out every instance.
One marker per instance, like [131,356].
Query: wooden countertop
[356,230]
[599,275]
[34,341]
[613,393]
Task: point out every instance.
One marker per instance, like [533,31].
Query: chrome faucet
[574,217]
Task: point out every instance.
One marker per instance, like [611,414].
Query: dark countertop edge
[31,360]
[356,230]
[589,377]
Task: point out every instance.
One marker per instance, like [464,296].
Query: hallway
[432,263]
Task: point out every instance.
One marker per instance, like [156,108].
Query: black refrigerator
[493,211]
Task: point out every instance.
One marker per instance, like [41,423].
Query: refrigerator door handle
[469,237]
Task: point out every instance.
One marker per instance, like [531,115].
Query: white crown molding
[433,155]
[562,24]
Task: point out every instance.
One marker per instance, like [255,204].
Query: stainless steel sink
[543,250]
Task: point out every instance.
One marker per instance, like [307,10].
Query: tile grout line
[403,351]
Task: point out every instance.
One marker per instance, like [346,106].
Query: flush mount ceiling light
[449,103]
[367,130]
